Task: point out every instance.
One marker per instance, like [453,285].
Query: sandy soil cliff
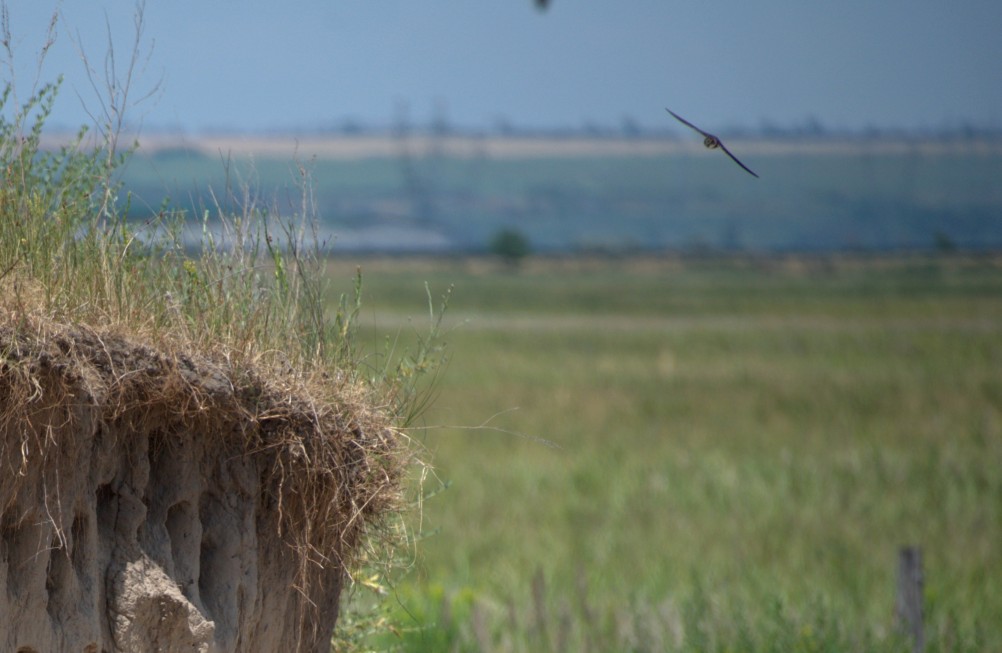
[150,501]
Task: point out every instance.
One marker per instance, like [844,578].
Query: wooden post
[908,610]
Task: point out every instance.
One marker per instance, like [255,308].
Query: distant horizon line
[625,131]
[337,146]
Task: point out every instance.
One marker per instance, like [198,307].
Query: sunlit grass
[766,451]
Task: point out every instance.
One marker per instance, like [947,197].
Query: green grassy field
[701,455]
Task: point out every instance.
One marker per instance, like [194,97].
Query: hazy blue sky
[257,64]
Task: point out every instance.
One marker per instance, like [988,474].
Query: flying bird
[711,141]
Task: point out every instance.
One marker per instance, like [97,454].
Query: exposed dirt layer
[151,501]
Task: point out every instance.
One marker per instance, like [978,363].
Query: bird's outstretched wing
[689,124]
[728,152]
[713,138]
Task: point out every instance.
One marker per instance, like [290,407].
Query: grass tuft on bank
[239,294]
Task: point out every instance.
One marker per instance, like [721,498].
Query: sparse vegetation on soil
[124,350]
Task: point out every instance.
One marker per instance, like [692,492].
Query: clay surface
[145,504]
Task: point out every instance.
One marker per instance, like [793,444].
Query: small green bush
[511,245]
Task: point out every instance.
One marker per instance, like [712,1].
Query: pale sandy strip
[335,147]
[515,148]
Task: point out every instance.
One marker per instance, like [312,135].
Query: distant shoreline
[354,147]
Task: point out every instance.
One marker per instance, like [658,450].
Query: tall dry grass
[244,289]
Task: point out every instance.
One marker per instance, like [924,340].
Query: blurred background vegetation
[702,453]
[847,192]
